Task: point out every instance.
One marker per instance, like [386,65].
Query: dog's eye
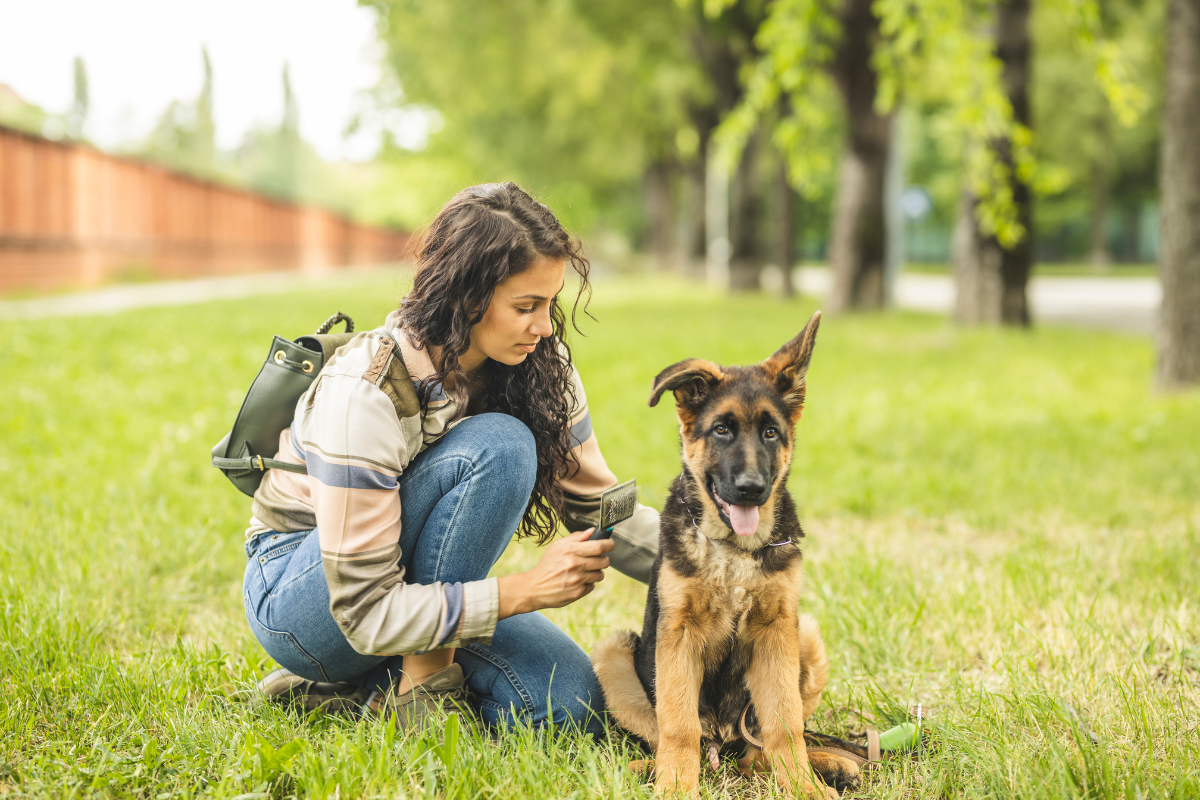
[770,433]
[720,430]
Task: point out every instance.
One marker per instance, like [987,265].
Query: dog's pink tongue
[744,519]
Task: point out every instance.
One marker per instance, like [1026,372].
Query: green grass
[1003,526]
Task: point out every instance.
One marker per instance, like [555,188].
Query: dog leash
[874,752]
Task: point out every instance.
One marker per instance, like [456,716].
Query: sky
[142,54]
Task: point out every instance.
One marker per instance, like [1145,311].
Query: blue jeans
[461,501]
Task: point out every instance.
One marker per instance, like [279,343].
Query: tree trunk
[694,235]
[1131,226]
[1179,254]
[992,280]
[745,211]
[660,214]
[785,227]
[1098,255]
[694,239]
[857,249]
[977,269]
[723,45]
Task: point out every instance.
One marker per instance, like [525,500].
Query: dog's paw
[673,788]
[753,762]
[677,782]
[642,767]
[839,773]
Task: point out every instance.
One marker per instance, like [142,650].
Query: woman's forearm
[568,570]
[513,599]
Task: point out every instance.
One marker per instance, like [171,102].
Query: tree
[1179,259]
[276,161]
[991,276]
[16,112]
[205,138]
[722,37]
[1105,167]
[924,50]
[856,253]
[184,137]
[669,44]
[77,116]
[797,39]
[579,102]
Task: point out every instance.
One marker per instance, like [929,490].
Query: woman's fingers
[596,562]
[597,548]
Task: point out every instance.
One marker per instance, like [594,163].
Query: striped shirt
[356,430]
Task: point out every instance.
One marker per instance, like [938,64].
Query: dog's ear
[789,365]
[691,381]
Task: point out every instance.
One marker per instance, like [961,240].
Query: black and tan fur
[722,626]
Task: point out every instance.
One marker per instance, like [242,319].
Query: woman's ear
[691,380]
[789,366]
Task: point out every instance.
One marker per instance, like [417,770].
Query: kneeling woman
[428,442]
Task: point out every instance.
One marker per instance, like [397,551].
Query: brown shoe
[284,686]
[443,693]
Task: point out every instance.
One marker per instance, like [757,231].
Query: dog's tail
[814,665]
[612,660]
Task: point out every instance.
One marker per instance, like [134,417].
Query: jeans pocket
[283,647]
[270,554]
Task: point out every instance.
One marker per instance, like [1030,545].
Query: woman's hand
[570,568]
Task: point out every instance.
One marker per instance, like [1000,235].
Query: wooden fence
[71,216]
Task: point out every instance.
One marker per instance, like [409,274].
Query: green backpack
[288,372]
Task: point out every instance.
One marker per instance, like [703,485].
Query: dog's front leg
[776,696]
[679,670]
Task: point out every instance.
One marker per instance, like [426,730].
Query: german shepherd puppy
[725,659]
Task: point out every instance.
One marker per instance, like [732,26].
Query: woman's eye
[525,310]
[771,433]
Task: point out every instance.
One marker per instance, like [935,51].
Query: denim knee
[507,445]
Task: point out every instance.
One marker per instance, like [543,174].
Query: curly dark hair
[485,234]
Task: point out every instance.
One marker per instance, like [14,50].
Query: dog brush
[616,505]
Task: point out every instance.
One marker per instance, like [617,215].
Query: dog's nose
[749,488]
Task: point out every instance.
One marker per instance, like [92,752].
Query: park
[999,479]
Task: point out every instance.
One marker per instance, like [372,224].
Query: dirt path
[1126,304]
[115,299]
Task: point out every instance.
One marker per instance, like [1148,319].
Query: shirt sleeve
[637,537]
[355,449]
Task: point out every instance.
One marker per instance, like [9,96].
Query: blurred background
[1000,197]
[933,154]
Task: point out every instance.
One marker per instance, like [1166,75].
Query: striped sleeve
[355,449]
[637,537]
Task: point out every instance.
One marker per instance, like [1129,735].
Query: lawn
[1002,526]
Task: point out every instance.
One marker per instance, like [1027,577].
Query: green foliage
[276,161]
[1077,130]
[1002,525]
[272,159]
[557,96]
[184,138]
[797,40]
[936,51]
[16,112]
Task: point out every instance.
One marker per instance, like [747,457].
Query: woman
[428,442]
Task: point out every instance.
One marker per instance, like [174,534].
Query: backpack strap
[388,372]
[256,462]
